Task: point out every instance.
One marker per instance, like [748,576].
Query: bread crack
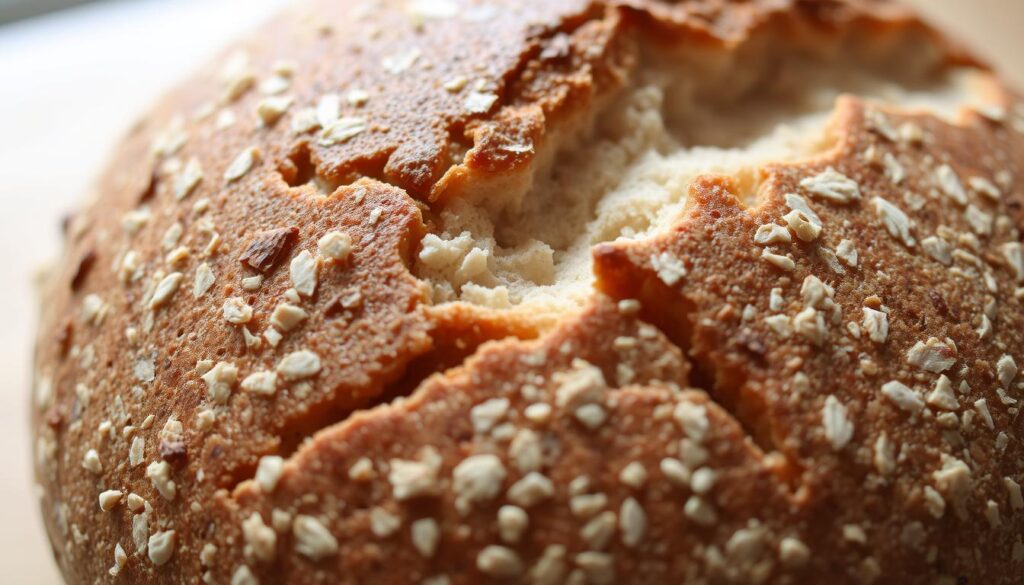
[620,168]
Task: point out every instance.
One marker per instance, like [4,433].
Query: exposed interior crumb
[625,172]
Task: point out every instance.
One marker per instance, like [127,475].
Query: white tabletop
[71,84]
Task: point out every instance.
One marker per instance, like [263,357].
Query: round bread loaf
[549,291]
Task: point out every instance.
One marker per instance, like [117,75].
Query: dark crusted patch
[268,248]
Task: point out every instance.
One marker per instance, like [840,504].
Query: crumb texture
[623,171]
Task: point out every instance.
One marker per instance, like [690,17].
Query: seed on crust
[499,562]
[477,479]
[242,164]
[165,290]
[425,536]
[237,311]
[836,421]
[336,246]
[269,471]
[313,539]
[188,179]
[304,272]
[161,547]
[903,396]
[109,499]
[299,365]
[262,383]
[832,186]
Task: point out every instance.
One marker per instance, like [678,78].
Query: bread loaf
[449,292]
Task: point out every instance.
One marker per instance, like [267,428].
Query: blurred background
[74,75]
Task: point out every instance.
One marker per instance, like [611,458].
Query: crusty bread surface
[449,292]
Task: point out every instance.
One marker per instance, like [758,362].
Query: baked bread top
[591,292]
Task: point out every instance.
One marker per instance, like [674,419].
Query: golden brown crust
[777,375]
[241,289]
[438,418]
